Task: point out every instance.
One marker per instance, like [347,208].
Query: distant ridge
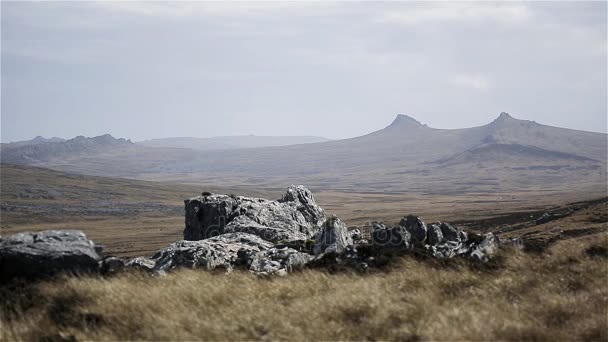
[231,142]
[40,149]
[406,155]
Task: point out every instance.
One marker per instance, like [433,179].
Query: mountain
[40,150]
[406,156]
[37,140]
[231,142]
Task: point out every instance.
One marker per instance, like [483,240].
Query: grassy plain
[557,290]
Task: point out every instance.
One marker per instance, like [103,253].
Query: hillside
[230,142]
[40,150]
[505,155]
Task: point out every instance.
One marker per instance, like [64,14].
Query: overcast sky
[150,70]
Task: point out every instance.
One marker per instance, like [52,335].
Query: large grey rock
[450,233]
[333,238]
[434,234]
[485,249]
[219,252]
[39,254]
[278,261]
[416,228]
[294,216]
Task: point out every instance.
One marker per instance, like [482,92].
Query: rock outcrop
[224,253]
[295,216]
[438,239]
[40,254]
[262,236]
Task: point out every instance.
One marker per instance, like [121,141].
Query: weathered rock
[40,254]
[355,234]
[220,252]
[294,216]
[111,265]
[450,233]
[415,227]
[484,250]
[333,238]
[141,263]
[244,224]
[434,235]
[278,261]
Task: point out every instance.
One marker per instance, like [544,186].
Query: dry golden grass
[559,295]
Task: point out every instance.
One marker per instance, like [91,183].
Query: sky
[143,70]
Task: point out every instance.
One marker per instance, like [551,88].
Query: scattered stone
[41,254]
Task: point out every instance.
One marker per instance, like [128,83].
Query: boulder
[450,233]
[111,265]
[40,254]
[416,228]
[333,238]
[295,216]
[434,234]
[485,249]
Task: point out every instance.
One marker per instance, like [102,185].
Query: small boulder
[111,265]
[486,248]
[333,237]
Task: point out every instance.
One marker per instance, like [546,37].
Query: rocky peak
[504,116]
[403,120]
[105,139]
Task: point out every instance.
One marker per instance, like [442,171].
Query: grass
[559,295]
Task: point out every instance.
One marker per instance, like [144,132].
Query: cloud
[457,12]
[471,81]
[179,9]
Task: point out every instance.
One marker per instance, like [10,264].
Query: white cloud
[457,12]
[471,81]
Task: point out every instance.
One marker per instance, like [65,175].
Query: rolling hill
[231,142]
[406,156]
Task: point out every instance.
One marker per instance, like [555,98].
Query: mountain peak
[504,116]
[403,120]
